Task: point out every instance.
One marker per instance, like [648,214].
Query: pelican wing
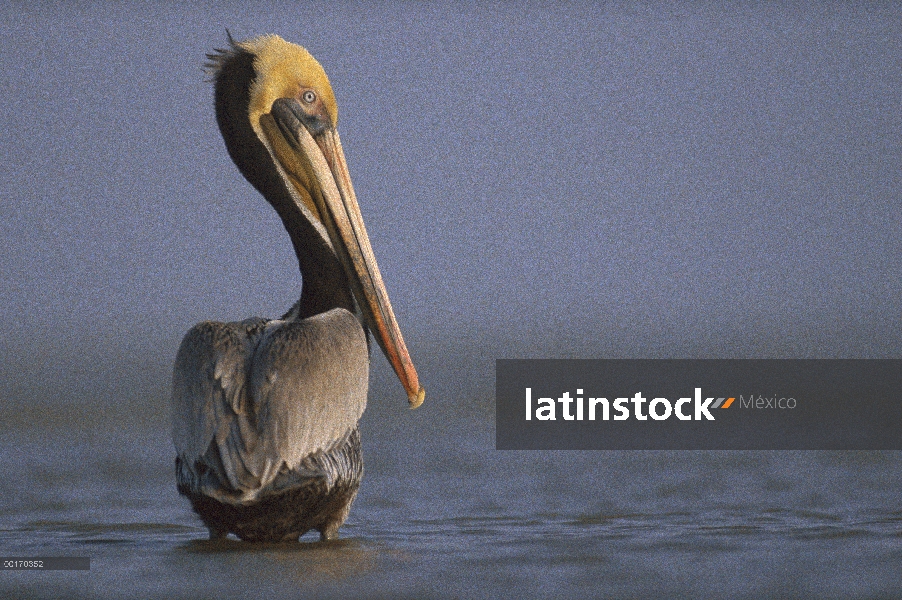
[211,406]
[309,379]
[249,398]
[209,384]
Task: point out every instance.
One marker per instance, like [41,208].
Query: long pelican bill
[316,168]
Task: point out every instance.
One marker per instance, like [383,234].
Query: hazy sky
[563,180]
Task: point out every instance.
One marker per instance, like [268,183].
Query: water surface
[443,514]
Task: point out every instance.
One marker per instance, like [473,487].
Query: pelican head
[278,116]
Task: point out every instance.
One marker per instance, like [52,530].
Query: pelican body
[265,412]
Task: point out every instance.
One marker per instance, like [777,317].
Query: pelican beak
[316,168]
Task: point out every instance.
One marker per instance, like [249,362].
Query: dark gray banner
[698,404]
[44,563]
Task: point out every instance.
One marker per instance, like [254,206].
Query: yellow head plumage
[282,70]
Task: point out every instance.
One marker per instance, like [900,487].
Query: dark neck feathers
[325,285]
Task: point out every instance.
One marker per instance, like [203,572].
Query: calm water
[443,514]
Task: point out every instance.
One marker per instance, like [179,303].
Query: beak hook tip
[416,400]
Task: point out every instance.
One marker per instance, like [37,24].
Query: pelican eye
[308,97]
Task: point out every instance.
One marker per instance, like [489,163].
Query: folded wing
[253,398]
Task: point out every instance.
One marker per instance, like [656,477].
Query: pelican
[265,412]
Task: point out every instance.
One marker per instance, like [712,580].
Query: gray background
[544,181]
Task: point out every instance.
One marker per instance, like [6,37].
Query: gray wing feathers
[267,395]
[309,379]
[208,385]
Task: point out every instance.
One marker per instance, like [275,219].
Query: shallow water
[443,514]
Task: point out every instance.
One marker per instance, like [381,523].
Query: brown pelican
[265,411]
